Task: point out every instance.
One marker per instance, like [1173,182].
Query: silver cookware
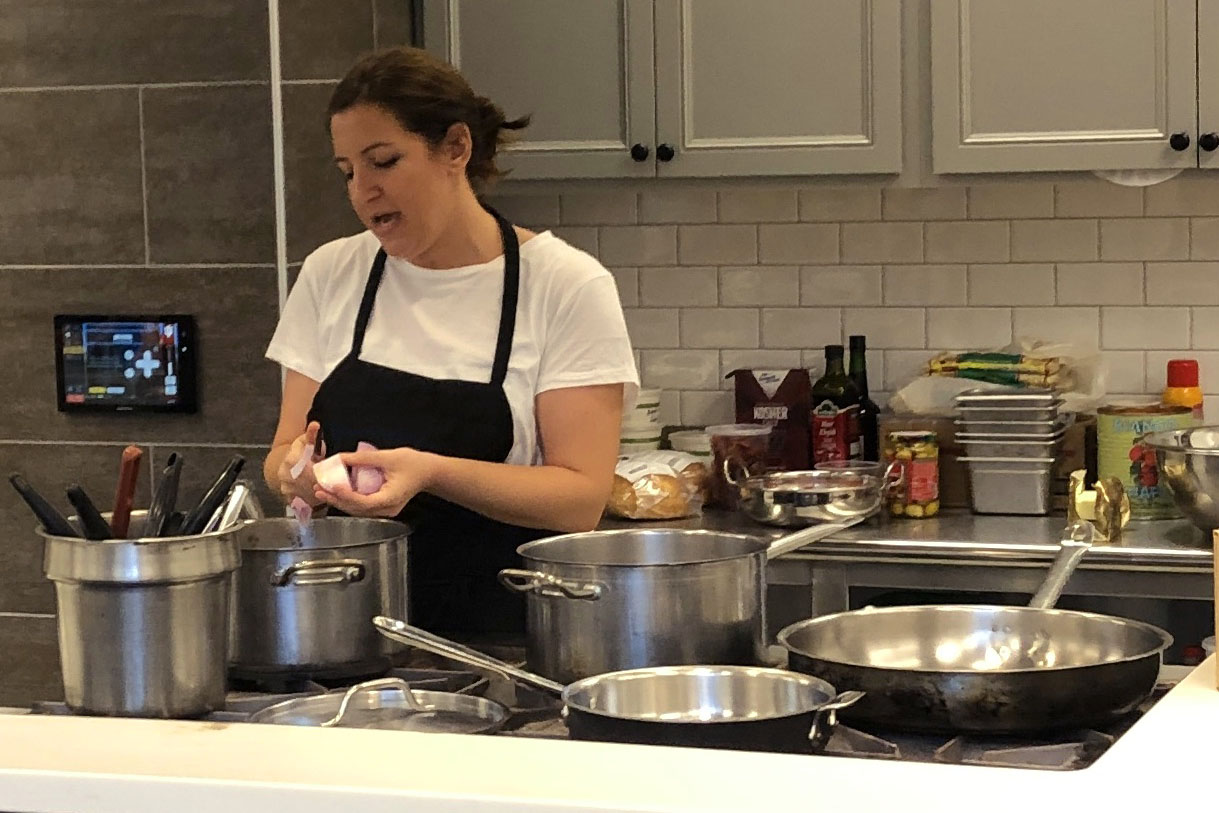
[143,622]
[610,600]
[389,703]
[737,707]
[798,498]
[992,669]
[305,592]
[1188,461]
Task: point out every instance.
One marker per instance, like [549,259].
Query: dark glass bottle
[835,421]
[869,412]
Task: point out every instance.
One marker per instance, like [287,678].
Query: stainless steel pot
[605,601]
[798,498]
[143,622]
[305,593]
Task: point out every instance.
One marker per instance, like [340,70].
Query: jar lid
[1183,373]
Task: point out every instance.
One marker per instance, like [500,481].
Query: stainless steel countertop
[960,536]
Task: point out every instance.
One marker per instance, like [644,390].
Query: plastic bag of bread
[658,485]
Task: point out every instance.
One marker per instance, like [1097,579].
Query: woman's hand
[304,485]
[407,472]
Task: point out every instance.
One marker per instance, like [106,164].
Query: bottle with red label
[835,419]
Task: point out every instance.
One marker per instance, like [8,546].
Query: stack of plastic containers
[1011,440]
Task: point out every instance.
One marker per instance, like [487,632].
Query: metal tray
[1010,445]
[1015,430]
[1039,414]
[1010,485]
[1026,399]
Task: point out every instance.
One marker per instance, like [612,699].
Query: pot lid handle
[373,686]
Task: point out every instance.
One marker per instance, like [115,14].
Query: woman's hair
[427,96]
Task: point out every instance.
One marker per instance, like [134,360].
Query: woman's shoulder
[557,264]
[330,260]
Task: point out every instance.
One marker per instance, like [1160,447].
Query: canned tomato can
[917,455]
[1121,453]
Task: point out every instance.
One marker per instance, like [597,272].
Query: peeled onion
[330,473]
[366,479]
[302,510]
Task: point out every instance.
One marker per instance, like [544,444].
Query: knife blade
[52,521]
[91,519]
[164,496]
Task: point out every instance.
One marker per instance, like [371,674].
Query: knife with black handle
[52,521]
[164,496]
[91,519]
[198,516]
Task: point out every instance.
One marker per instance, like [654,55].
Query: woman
[489,364]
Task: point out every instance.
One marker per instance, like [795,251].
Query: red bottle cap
[1182,373]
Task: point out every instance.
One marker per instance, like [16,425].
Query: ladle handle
[813,533]
[1074,544]
[405,633]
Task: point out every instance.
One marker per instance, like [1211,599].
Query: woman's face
[402,190]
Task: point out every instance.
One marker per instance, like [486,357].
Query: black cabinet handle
[1209,141]
[1179,141]
[665,153]
[640,152]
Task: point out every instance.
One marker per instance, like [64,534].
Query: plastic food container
[1010,485]
[691,441]
[638,440]
[738,451]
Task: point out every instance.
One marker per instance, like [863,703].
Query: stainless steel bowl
[796,498]
[1188,460]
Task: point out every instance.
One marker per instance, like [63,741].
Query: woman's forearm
[549,497]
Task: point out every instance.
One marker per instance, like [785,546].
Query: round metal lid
[386,704]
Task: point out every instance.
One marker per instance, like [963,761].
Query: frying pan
[982,668]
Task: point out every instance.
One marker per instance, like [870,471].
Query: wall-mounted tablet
[122,363]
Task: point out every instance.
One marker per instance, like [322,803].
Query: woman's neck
[470,237]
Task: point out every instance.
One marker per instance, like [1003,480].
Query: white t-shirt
[443,323]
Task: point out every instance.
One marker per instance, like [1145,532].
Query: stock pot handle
[320,571]
[543,584]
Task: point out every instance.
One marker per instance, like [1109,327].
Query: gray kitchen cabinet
[1208,84]
[1081,85]
[698,88]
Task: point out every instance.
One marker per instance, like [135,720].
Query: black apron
[454,553]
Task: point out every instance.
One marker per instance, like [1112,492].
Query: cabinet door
[582,68]
[1053,85]
[775,87]
[1208,84]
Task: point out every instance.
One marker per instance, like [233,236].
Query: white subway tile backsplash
[924,285]
[758,206]
[1100,283]
[1055,240]
[1183,283]
[609,207]
[670,407]
[1204,238]
[903,366]
[675,205]
[1144,328]
[813,360]
[1011,284]
[886,328]
[678,286]
[1079,326]
[680,369]
[798,328]
[755,360]
[981,241]
[719,327]
[707,408]
[839,204]
[717,244]
[945,203]
[637,245]
[1135,238]
[1183,196]
[1006,201]
[652,327]
[1208,373]
[1097,199]
[798,243]
[970,328]
[1205,323]
[626,280]
[840,285]
[1127,370]
[529,211]
[882,242]
[760,285]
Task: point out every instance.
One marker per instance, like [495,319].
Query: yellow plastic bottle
[1183,389]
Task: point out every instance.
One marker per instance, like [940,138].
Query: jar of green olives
[917,455]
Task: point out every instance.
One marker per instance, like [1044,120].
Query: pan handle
[543,584]
[404,633]
[813,533]
[1074,544]
[826,719]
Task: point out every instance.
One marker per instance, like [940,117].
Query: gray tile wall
[136,175]
[753,275]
